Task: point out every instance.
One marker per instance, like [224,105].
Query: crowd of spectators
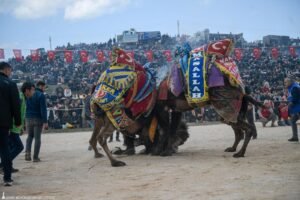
[69,83]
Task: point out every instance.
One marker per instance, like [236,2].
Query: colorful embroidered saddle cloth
[125,85]
[205,67]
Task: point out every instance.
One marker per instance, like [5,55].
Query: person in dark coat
[10,112]
[294,105]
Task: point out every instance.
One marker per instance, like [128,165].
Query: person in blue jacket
[36,121]
[294,105]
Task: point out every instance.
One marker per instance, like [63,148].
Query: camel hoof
[238,155]
[90,148]
[118,164]
[230,149]
[98,155]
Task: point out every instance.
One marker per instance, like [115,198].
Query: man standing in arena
[10,111]
[294,105]
[36,120]
[16,145]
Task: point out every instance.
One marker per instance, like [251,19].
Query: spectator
[65,118]
[75,120]
[267,114]
[9,115]
[294,105]
[36,121]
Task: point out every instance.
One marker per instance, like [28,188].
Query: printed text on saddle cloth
[196,86]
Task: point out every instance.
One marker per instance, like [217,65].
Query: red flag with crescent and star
[34,55]
[2,54]
[274,53]
[168,55]
[100,56]
[51,55]
[220,48]
[256,53]
[68,56]
[120,56]
[18,54]
[84,56]
[238,54]
[292,51]
[149,55]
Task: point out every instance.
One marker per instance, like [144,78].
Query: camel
[214,80]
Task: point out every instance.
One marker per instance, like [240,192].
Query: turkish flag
[2,54]
[256,53]
[18,54]
[292,51]
[238,54]
[51,55]
[274,53]
[83,56]
[149,55]
[130,53]
[34,55]
[100,56]
[168,55]
[122,57]
[220,48]
[68,56]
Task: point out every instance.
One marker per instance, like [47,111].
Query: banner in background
[68,56]
[18,54]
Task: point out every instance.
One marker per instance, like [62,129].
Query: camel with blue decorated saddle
[125,99]
[206,76]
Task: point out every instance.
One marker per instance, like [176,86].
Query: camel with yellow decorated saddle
[125,97]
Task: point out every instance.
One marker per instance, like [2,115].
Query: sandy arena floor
[201,170]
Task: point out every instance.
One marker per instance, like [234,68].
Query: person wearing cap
[9,115]
[293,105]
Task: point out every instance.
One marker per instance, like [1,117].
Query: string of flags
[104,55]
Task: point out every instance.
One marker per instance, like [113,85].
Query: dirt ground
[201,170]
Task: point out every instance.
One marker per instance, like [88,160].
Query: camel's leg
[238,133]
[164,123]
[175,121]
[105,132]
[93,140]
[248,136]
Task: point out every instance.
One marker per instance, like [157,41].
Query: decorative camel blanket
[198,65]
[125,85]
